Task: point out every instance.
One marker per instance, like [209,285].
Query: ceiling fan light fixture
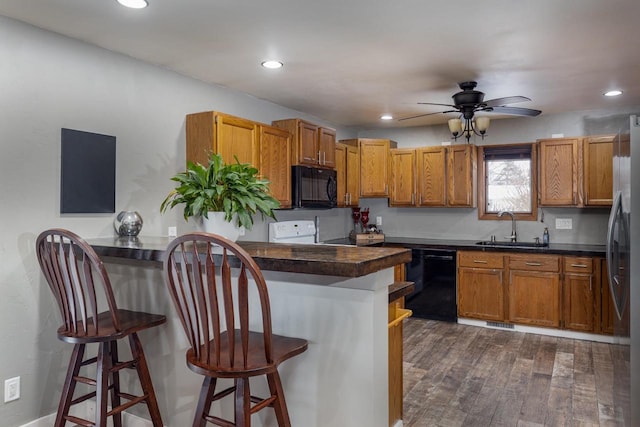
[482,124]
[455,127]
[134,4]
[616,92]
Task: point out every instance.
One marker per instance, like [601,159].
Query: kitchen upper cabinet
[312,145]
[576,171]
[230,136]
[275,162]
[481,288]
[598,170]
[559,172]
[403,177]
[461,175]
[374,165]
[432,181]
[535,290]
[348,175]
[579,294]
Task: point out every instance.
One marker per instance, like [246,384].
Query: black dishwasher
[434,273]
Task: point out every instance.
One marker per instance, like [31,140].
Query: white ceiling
[349,61]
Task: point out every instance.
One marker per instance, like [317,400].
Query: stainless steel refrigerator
[623,265]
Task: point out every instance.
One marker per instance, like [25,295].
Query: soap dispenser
[545,236]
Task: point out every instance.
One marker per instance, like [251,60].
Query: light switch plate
[557,135]
[378,221]
[564,223]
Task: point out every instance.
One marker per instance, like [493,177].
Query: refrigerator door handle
[616,218]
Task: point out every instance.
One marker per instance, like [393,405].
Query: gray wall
[49,82]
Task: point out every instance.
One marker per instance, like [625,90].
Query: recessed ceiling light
[386,117]
[613,93]
[134,4]
[272,64]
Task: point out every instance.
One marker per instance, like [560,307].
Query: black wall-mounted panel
[88,181]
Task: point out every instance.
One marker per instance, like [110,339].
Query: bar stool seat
[72,269]
[210,303]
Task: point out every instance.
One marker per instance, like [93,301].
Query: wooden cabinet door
[578,299]
[481,293]
[403,177]
[237,138]
[307,143]
[559,172]
[353,176]
[461,170]
[341,174]
[275,162]
[534,298]
[431,181]
[578,302]
[326,147]
[598,170]
[374,167]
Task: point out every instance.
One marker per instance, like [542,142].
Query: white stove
[302,231]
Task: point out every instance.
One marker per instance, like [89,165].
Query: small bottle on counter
[545,236]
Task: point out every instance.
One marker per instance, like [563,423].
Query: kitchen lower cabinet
[535,290]
[481,285]
[397,314]
[607,311]
[578,294]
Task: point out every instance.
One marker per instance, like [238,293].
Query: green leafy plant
[232,188]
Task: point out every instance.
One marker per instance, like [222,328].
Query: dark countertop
[347,261]
[421,243]
[400,289]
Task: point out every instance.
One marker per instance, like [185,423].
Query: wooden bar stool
[206,305]
[72,269]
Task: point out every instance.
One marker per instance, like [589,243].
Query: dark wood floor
[457,375]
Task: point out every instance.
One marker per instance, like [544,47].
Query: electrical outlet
[11,389]
[378,220]
[564,224]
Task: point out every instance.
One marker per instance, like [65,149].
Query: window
[507,181]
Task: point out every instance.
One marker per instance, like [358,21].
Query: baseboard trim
[88,409]
[560,333]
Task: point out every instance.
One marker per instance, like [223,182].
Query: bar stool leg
[115,390]
[69,384]
[103,367]
[145,379]
[280,405]
[243,403]
[204,402]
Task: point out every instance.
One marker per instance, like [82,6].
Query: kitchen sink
[489,243]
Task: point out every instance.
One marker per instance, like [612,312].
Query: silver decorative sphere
[128,223]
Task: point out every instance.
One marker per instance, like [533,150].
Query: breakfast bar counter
[336,297]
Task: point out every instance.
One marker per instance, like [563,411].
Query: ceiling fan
[468,102]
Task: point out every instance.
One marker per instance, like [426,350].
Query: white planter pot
[216,224]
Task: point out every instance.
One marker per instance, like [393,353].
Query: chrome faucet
[514,235]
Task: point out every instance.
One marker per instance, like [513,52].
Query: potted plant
[227,193]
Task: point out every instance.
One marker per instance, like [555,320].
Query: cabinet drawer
[578,265]
[480,259]
[535,263]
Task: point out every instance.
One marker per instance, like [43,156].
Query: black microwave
[313,187]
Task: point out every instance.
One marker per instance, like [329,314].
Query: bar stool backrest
[72,269]
[190,270]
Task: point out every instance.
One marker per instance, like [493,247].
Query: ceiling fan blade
[514,111]
[433,103]
[427,114]
[506,100]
